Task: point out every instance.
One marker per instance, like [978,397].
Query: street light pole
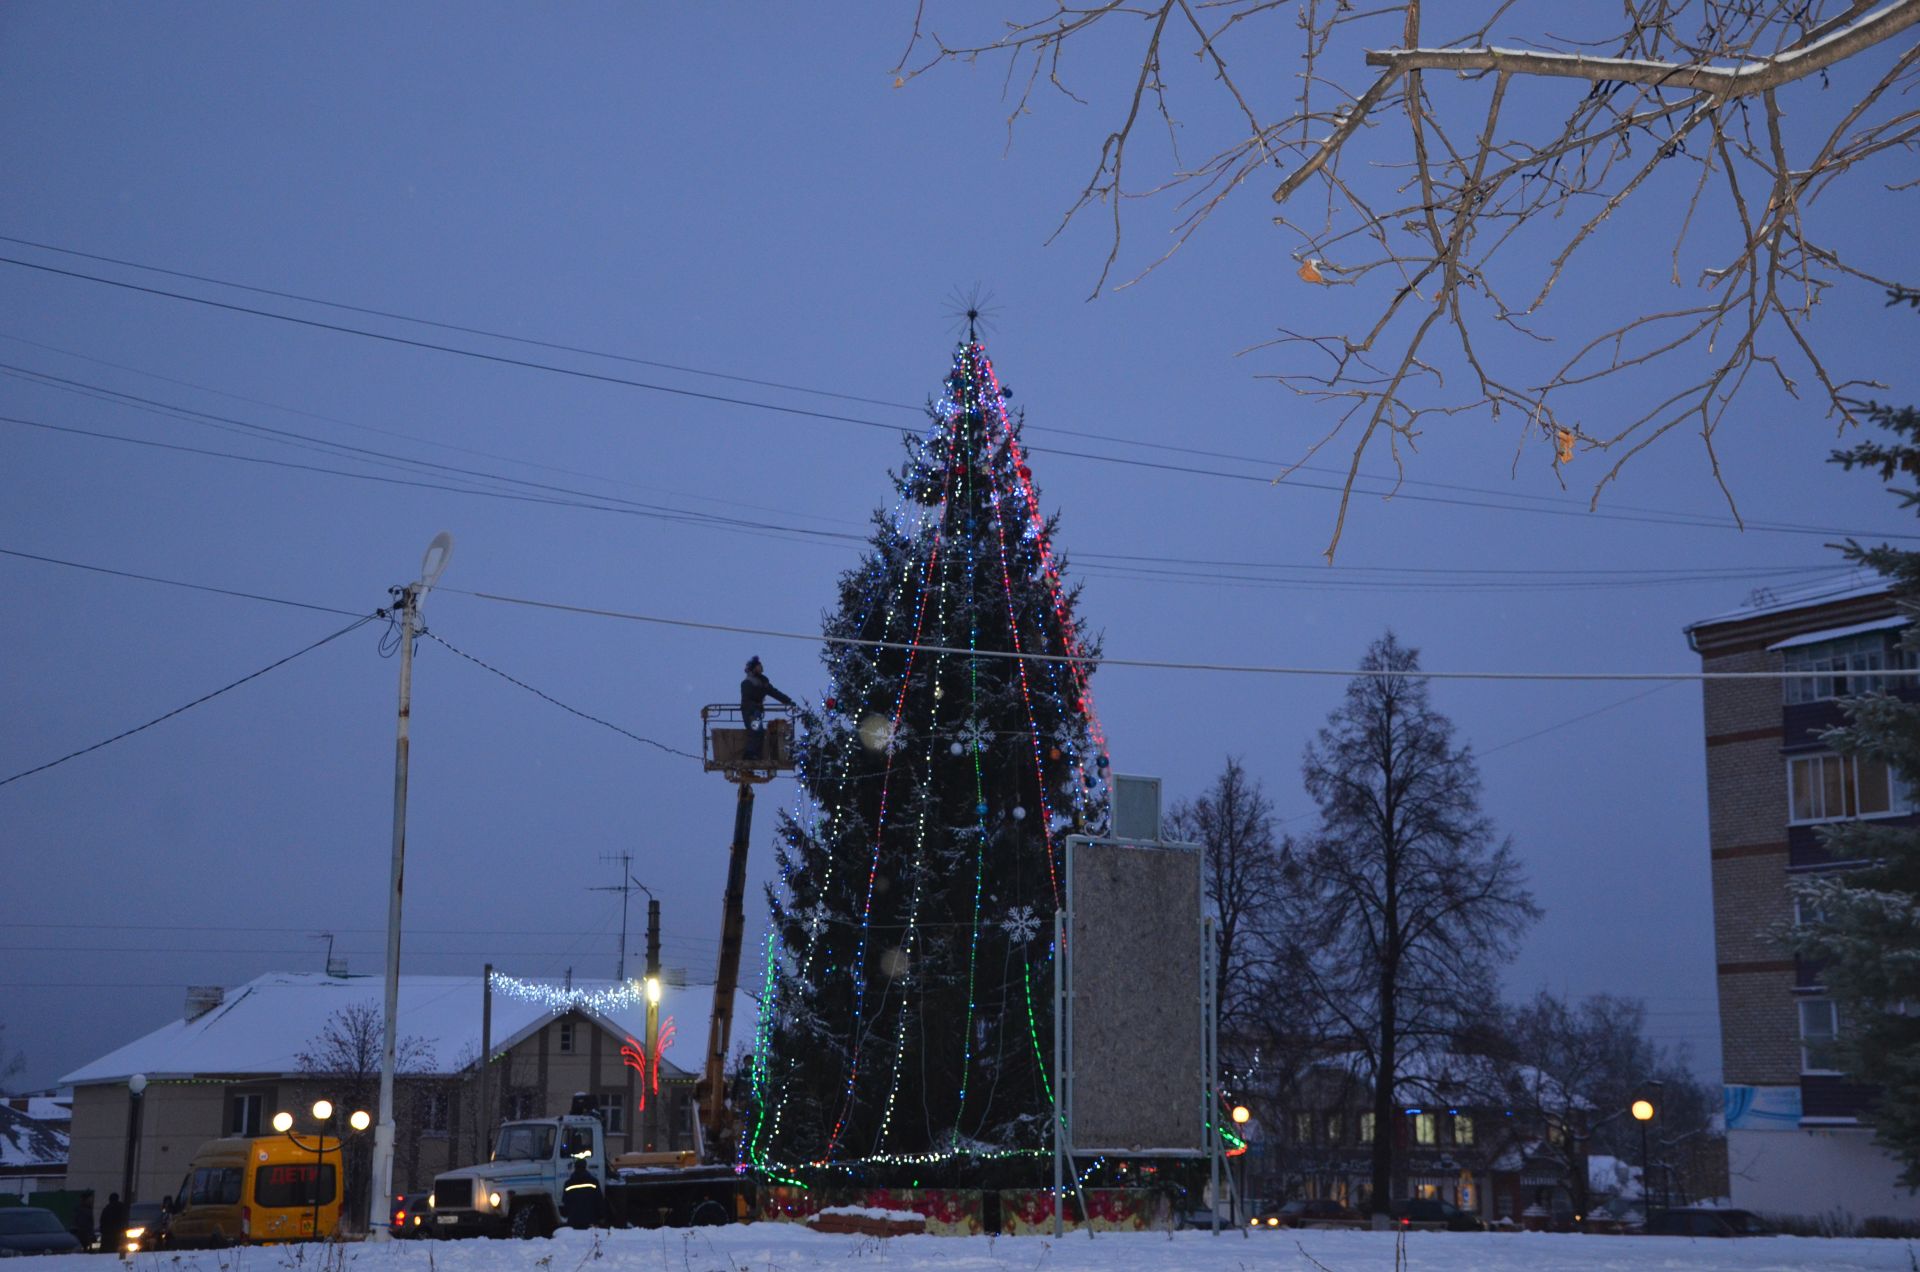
[136,1088]
[409,613]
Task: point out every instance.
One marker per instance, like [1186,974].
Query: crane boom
[716,1115]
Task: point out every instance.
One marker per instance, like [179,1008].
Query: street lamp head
[653,990]
[322,1110]
[1240,1115]
[360,1120]
[137,1083]
[1642,1110]
[283,1121]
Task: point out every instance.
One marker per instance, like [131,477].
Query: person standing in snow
[113,1224]
[755,689]
[580,1200]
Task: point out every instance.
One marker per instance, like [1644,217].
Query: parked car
[1431,1212]
[411,1214]
[1313,1212]
[33,1230]
[1705,1221]
[146,1227]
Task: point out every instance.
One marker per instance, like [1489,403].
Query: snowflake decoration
[815,916]
[974,735]
[1021,924]
[897,739]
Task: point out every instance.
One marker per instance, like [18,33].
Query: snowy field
[789,1248]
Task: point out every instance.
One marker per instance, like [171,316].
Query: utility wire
[556,346]
[1674,519]
[1270,464]
[1316,577]
[197,587]
[1347,673]
[595,503]
[73,755]
[547,697]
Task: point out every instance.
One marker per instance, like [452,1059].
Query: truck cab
[518,1191]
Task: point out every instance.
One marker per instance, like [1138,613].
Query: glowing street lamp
[323,1113]
[1241,1114]
[1642,1111]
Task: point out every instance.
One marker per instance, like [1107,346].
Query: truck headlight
[493,1199]
[429,1201]
[134,1234]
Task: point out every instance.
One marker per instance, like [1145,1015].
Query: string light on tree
[883,1037]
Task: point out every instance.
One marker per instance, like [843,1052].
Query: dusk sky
[655,192]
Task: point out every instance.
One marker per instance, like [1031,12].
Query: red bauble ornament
[1053,753]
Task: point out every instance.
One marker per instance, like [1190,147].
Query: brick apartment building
[1795,1142]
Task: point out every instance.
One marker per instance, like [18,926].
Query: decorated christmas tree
[906,1015]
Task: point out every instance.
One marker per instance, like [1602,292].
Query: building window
[1303,1128]
[1334,1128]
[522,1103]
[1462,1129]
[1819,1035]
[434,1108]
[1366,1128]
[611,1106]
[1840,668]
[1822,788]
[1424,1129]
[244,1113]
[566,1037]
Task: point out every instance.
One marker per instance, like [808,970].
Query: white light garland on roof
[557,998]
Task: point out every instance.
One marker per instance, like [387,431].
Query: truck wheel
[708,1214]
[528,1223]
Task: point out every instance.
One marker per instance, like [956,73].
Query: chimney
[202,999]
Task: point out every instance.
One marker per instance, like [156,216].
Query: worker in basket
[755,689]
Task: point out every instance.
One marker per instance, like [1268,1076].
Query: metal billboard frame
[1064,1150]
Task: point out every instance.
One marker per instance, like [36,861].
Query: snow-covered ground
[770,1247]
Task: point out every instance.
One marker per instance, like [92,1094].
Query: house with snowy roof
[33,1151]
[283,1040]
[1501,1140]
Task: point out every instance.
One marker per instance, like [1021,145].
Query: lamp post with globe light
[323,1113]
[1642,1111]
[136,1088]
[1240,1115]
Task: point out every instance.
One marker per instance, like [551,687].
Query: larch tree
[1232,821]
[1404,903]
[1603,222]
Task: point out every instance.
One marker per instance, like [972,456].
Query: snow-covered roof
[1839,633]
[1780,600]
[26,1142]
[42,1108]
[263,1026]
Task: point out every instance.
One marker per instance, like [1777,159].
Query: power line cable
[397,433]
[556,346]
[1314,579]
[1699,521]
[208,697]
[547,697]
[1150,664]
[1268,463]
[196,587]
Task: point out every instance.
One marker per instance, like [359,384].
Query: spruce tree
[1863,926]
[909,960]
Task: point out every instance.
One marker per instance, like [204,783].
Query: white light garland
[558,998]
